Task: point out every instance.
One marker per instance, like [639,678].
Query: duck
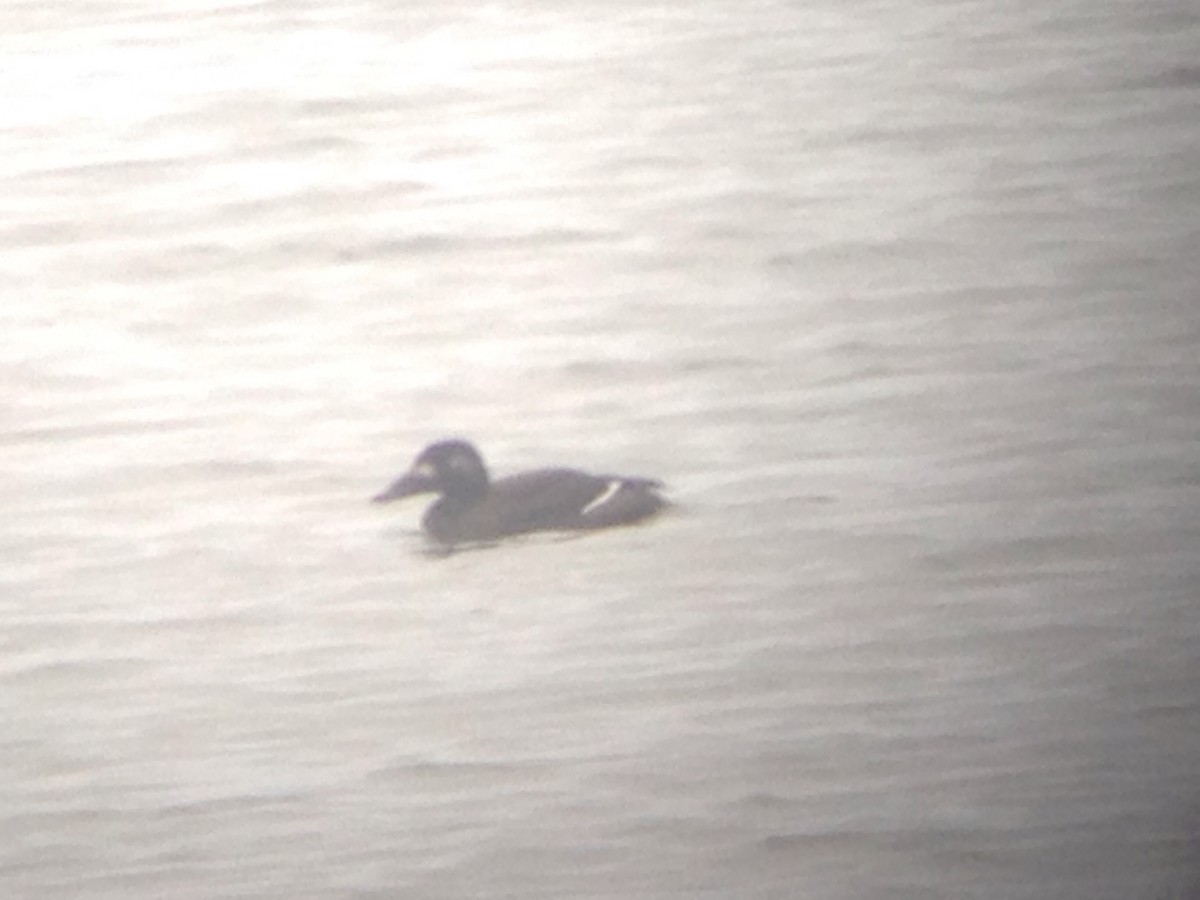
[472,508]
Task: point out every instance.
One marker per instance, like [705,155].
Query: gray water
[900,300]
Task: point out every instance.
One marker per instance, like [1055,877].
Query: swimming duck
[471,507]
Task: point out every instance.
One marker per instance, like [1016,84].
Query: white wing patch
[604,496]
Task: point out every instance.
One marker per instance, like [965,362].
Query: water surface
[900,301]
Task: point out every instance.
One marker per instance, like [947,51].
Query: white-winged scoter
[473,508]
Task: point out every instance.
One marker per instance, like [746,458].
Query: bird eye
[458,461]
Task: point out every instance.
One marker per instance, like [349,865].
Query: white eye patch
[460,462]
[425,470]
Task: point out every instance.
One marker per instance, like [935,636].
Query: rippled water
[899,299]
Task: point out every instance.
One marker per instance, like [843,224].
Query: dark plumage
[471,507]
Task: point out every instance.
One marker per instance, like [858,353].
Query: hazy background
[899,298]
